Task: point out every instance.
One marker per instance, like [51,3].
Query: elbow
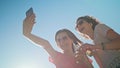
[26,34]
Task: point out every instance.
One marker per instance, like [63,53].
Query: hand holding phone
[29,12]
[30,16]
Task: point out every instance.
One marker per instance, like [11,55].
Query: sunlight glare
[28,65]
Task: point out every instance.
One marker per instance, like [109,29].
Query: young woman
[106,41]
[66,40]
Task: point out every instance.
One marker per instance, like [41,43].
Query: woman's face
[63,40]
[85,28]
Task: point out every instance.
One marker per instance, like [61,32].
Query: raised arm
[27,28]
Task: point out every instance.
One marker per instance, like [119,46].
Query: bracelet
[103,46]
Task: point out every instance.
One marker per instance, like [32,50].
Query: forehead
[61,34]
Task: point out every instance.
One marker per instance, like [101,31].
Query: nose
[61,41]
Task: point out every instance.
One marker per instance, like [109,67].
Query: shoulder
[102,29]
[56,57]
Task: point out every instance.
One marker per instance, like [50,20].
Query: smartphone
[29,12]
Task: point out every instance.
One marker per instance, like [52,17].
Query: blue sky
[51,15]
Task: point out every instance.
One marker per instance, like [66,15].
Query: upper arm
[43,43]
[111,34]
[107,32]
[51,51]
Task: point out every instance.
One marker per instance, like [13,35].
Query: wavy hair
[88,19]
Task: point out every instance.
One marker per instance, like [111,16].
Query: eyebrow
[64,37]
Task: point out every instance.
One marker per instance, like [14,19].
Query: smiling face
[84,28]
[64,41]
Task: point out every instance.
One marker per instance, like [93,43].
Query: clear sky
[51,15]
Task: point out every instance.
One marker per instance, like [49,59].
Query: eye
[63,38]
[79,23]
[58,40]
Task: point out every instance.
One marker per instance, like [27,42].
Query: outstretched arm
[27,28]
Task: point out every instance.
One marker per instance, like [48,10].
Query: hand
[88,49]
[28,24]
[79,56]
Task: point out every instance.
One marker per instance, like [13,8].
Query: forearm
[98,60]
[42,42]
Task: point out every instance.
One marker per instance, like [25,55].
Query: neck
[69,52]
